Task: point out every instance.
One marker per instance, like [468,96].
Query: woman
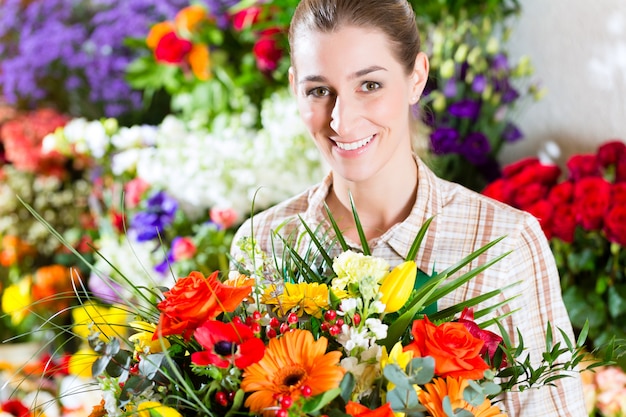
[356,72]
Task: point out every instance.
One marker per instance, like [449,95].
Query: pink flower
[245,18]
[183,248]
[134,190]
[172,49]
[225,218]
[267,51]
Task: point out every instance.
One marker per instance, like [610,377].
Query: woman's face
[354,97]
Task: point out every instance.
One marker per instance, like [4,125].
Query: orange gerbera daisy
[434,392]
[292,361]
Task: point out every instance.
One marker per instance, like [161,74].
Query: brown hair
[395,18]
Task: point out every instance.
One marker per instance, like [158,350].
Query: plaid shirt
[464,221]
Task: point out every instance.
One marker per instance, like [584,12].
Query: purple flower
[500,62]
[160,212]
[444,140]
[479,83]
[450,90]
[511,133]
[466,109]
[106,291]
[219,9]
[475,148]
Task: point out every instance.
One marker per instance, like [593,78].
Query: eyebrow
[359,73]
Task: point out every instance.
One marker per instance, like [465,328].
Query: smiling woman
[356,72]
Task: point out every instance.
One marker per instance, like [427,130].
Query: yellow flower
[156,409]
[398,285]
[144,339]
[16,299]
[358,273]
[397,356]
[109,321]
[309,298]
[80,362]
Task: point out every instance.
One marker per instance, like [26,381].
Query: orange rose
[194,300]
[52,286]
[455,350]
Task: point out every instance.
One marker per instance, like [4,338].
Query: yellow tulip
[153,408]
[398,285]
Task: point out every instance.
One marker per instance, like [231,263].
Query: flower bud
[398,285]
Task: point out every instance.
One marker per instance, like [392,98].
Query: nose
[343,116]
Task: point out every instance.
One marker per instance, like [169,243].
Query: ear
[419,76]
[292,80]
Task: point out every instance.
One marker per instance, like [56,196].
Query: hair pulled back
[395,18]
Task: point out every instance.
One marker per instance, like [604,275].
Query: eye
[318,92]
[370,86]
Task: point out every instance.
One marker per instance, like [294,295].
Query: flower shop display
[72,55]
[605,391]
[286,339]
[213,58]
[473,92]
[583,213]
[34,264]
[173,194]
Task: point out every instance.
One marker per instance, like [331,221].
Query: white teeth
[354,145]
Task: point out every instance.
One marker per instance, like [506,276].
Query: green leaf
[317,402]
[359,228]
[338,232]
[617,300]
[421,370]
[418,240]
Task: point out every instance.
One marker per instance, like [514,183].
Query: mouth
[351,146]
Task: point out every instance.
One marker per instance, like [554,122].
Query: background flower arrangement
[583,213]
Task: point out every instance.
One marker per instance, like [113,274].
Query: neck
[381,201]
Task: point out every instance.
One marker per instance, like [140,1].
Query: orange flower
[194,300]
[358,410]
[455,350]
[190,17]
[291,362]
[200,61]
[433,394]
[13,250]
[53,283]
[157,32]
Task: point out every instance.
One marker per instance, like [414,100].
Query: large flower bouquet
[583,213]
[280,337]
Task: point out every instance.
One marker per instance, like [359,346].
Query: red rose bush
[582,211]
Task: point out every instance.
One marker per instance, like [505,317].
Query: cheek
[314,115]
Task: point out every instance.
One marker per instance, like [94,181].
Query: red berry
[284,327]
[255,327]
[237,320]
[292,318]
[248,320]
[306,391]
[339,322]
[271,333]
[282,413]
[324,326]
[256,316]
[330,315]
[221,398]
[334,330]
[274,322]
[286,402]
[356,319]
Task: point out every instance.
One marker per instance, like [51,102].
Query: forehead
[348,49]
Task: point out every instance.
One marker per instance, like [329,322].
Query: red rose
[245,18]
[529,194]
[224,218]
[194,300]
[183,248]
[500,190]
[615,225]
[564,222]
[543,210]
[266,50]
[172,49]
[620,170]
[519,166]
[561,193]
[611,152]
[618,194]
[547,174]
[581,166]
[592,197]
[455,350]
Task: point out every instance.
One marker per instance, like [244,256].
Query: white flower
[377,327]
[356,269]
[377,307]
[349,305]
[352,338]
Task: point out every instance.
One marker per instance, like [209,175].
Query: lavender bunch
[471,98]
[72,54]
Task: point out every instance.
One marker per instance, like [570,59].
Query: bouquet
[583,214]
[280,336]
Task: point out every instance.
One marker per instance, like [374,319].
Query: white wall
[578,49]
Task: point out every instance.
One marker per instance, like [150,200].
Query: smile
[354,145]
